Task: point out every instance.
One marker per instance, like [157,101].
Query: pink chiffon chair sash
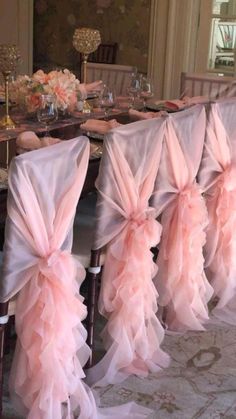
[127,225]
[217,175]
[180,281]
[44,187]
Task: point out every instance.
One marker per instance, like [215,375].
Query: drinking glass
[134,87]
[47,112]
[146,90]
[107,99]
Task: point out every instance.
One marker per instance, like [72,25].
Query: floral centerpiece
[63,84]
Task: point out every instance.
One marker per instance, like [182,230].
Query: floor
[200,382]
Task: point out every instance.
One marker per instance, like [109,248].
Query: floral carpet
[200,382]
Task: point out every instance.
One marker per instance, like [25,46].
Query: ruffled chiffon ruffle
[221,243]
[47,369]
[133,334]
[181,282]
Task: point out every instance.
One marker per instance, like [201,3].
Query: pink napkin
[28,141]
[185,102]
[145,115]
[124,102]
[101,127]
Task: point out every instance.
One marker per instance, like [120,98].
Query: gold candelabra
[9,56]
[86,41]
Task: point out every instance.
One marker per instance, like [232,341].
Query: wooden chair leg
[3,321]
[94,271]
[2,335]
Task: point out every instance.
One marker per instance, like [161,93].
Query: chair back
[217,176]
[180,281]
[126,225]
[211,86]
[106,53]
[113,75]
[44,188]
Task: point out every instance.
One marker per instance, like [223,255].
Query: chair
[217,177]
[211,86]
[106,53]
[113,75]
[127,228]
[181,283]
[44,187]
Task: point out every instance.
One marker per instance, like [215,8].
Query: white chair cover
[217,177]
[127,226]
[46,377]
[180,281]
[44,187]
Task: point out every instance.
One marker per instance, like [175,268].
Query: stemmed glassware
[107,99]
[47,112]
[134,87]
[146,90]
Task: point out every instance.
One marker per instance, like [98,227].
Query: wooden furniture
[212,86]
[106,53]
[113,75]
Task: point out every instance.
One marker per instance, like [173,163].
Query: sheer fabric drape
[217,177]
[47,371]
[44,187]
[127,225]
[181,283]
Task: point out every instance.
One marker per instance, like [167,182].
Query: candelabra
[86,41]
[9,56]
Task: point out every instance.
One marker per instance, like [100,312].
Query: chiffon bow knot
[141,217]
[52,262]
[141,230]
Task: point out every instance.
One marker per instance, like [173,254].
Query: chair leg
[2,333]
[94,271]
[3,321]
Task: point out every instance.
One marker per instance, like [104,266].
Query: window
[221,56]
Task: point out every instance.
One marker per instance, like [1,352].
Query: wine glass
[146,90]
[134,87]
[47,112]
[107,99]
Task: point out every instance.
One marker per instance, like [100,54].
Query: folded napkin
[124,102]
[145,115]
[28,141]
[185,102]
[86,88]
[101,127]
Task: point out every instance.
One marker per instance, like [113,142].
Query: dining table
[66,127]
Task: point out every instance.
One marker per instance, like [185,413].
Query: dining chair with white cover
[46,374]
[211,86]
[217,177]
[127,228]
[181,282]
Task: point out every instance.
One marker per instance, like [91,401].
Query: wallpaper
[123,21]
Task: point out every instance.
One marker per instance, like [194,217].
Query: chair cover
[45,382]
[180,281]
[127,225]
[217,177]
[44,187]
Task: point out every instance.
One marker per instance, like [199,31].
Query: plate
[161,107]
[92,95]
[95,135]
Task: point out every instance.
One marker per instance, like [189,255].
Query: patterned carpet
[200,383]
